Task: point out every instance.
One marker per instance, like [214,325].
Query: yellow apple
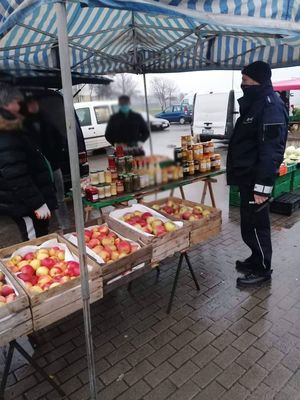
[22,264]
[16,259]
[54,284]
[61,255]
[36,289]
[42,271]
[42,256]
[35,264]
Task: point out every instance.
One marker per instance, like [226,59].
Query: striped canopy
[150,36]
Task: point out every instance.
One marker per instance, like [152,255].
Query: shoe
[244,267]
[254,278]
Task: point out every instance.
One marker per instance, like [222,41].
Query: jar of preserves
[120,187]
[128,184]
[107,191]
[217,161]
[101,176]
[186,169]
[119,151]
[101,192]
[183,141]
[91,194]
[178,154]
[208,164]
[205,148]
[197,166]
[94,178]
[114,175]
[113,188]
[121,166]
[198,151]
[129,164]
[164,175]
[211,147]
[180,171]
[190,154]
[108,178]
[112,162]
[191,168]
[203,165]
[184,154]
[213,162]
[136,183]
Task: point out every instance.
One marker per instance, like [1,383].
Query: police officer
[255,153]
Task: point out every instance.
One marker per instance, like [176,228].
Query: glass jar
[178,154]
[113,188]
[94,178]
[189,154]
[91,194]
[112,162]
[128,184]
[198,151]
[217,162]
[197,166]
[114,175]
[186,169]
[191,168]
[128,164]
[208,164]
[203,165]
[136,183]
[120,187]
[108,178]
[101,192]
[180,171]
[107,191]
[213,162]
[121,165]
[101,176]
[211,147]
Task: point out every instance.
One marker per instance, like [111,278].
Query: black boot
[245,267]
[254,278]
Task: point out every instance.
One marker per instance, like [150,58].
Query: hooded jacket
[257,145]
[25,177]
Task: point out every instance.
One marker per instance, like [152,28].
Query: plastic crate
[291,167]
[286,204]
[295,181]
[282,185]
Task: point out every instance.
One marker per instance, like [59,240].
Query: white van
[215,114]
[93,117]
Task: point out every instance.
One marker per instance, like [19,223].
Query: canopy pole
[147,112]
[61,18]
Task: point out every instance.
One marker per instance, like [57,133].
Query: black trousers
[31,227]
[256,230]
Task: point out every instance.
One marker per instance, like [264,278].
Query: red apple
[104,229]
[34,280]
[25,277]
[159,230]
[29,256]
[146,215]
[28,269]
[168,210]
[55,271]
[88,233]
[186,215]
[7,290]
[124,247]
[11,297]
[47,262]
[94,243]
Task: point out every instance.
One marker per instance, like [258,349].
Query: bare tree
[125,84]
[164,90]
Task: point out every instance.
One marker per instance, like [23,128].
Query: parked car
[93,117]
[157,124]
[52,110]
[177,113]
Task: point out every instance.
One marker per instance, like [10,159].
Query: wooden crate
[162,247]
[118,267]
[61,301]
[200,230]
[15,317]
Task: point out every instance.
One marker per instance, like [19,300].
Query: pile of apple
[181,211]
[7,292]
[106,244]
[44,269]
[148,223]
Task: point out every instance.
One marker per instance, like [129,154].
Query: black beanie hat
[259,71]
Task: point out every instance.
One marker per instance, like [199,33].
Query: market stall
[139,37]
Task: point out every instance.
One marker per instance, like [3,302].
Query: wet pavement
[218,343]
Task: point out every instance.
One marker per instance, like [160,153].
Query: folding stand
[15,345]
[182,255]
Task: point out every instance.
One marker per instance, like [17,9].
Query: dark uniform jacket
[25,175]
[128,129]
[257,145]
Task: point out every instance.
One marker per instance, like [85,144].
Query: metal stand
[15,345]
[182,256]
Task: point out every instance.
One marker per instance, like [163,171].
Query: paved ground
[219,343]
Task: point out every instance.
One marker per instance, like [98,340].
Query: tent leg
[147,112]
[61,17]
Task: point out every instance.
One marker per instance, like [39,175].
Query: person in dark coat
[126,128]
[49,140]
[27,193]
[255,153]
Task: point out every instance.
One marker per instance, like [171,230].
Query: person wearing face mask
[50,142]
[27,194]
[127,128]
[255,152]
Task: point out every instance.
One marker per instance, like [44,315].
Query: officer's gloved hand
[43,212]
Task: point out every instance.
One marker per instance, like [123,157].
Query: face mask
[124,109]
[250,90]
